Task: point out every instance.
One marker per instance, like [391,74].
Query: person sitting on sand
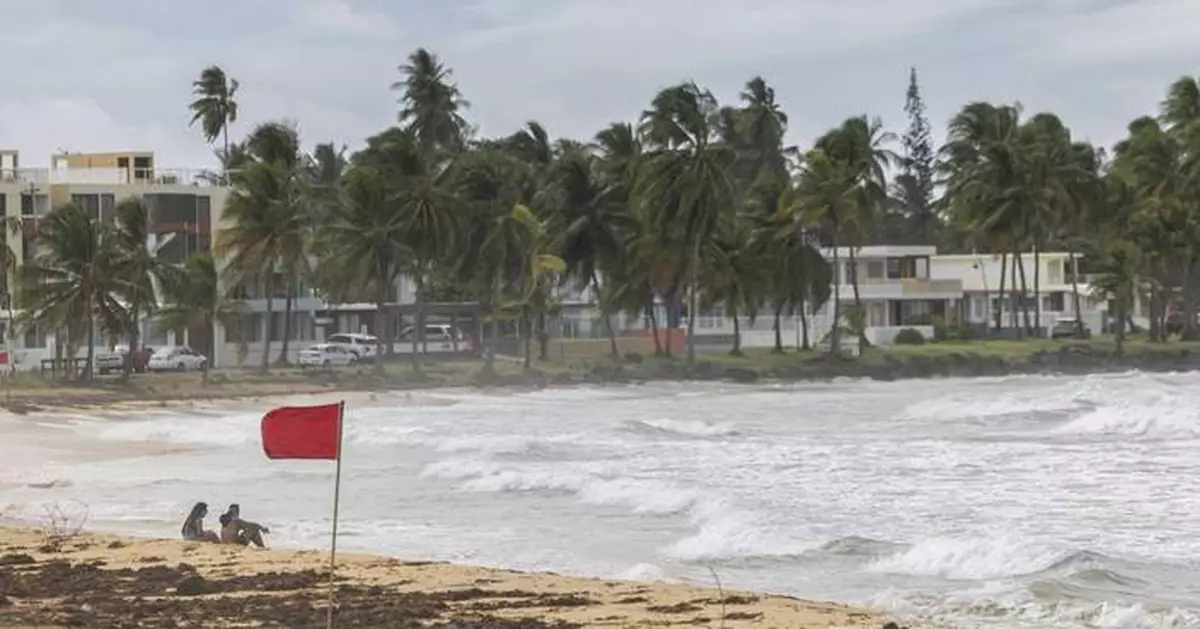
[235,530]
[193,526]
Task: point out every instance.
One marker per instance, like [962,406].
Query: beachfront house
[1058,277]
[895,290]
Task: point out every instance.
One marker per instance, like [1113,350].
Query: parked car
[326,355]
[363,346]
[176,359]
[105,362]
[439,337]
[1067,329]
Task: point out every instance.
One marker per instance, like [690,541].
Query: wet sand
[90,580]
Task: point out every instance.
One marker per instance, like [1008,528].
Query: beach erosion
[1015,503]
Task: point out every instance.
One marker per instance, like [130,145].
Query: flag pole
[337,488]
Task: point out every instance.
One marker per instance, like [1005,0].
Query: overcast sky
[84,75]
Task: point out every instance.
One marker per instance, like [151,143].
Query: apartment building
[183,207]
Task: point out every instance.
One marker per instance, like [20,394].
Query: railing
[109,176]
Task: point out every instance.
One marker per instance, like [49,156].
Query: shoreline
[949,360]
[92,579]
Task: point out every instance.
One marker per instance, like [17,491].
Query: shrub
[909,336]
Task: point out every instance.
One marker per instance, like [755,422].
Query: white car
[326,355]
[439,337]
[105,362]
[176,359]
[363,346]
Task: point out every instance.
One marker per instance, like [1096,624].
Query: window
[894,268]
[912,312]
[3,205]
[34,204]
[35,337]
[246,328]
[1054,302]
[97,206]
[851,274]
[978,305]
[1054,272]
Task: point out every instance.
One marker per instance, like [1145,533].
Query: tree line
[694,204]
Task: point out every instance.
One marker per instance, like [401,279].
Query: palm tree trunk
[862,332]
[1037,290]
[778,331]
[527,332]
[1024,294]
[287,320]
[418,335]
[543,338]
[694,298]
[608,326]
[737,334]
[1013,296]
[91,337]
[835,335]
[805,343]
[1000,294]
[269,328]
[134,337]
[658,348]
[1075,290]
[1189,296]
[381,300]
[489,364]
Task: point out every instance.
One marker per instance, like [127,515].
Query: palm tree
[431,105]
[74,283]
[859,145]
[797,276]
[686,188]
[193,297]
[588,218]
[539,269]
[138,266]
[214,106]
[494,244]
[985,187]
[364,243]
[264,232]
[827,192]
[430,215]
[1118,280]
[293,203]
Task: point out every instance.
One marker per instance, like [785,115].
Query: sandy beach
[92,580]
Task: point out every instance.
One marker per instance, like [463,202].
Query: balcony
[931,289]
[108,176]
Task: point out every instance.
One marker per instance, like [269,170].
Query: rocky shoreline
[881,365]
[1068,360]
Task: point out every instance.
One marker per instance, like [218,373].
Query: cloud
[339,15]
[85,77]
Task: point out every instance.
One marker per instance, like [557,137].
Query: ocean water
[1019,502]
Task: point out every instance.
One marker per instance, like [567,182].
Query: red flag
[303,432]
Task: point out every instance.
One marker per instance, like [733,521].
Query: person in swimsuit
[193,526]
[235,530]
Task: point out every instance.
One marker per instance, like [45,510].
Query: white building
[895,288]
[980,275]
